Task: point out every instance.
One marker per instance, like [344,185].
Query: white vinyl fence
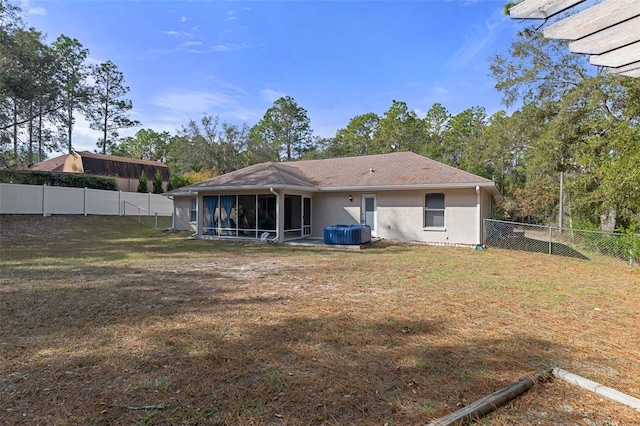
[47,200]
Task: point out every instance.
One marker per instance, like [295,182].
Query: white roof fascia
[202,189]
[409,187]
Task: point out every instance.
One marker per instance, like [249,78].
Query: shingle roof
[263,174]
[108,165]
[51,165]
[394,170]
[400,168]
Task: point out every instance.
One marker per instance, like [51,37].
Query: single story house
[126,171]
[401,196]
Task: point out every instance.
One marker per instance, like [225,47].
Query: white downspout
[276,238]
[199,212]
[479,214]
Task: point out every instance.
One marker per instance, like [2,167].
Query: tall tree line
[575,126]
[45,87]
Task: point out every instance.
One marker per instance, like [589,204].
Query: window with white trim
[193,210]
[434,210]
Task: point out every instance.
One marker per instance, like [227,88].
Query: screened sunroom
[255,216]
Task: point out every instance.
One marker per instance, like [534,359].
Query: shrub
[71,180]
[157,183]
[177,181]
[142,183]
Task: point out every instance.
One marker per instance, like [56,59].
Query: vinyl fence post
[550,240]
[44,199]
[85,200]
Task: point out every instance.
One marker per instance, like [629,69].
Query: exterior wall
[73,164]
[131,185]
[400,215]
[182,214]
[330,208]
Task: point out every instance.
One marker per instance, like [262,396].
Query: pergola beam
[608,31]
[596,18]
[612,38]
[541,9]
[626,68]
[633,73]
[617,58]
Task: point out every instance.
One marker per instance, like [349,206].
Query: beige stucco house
[401,196]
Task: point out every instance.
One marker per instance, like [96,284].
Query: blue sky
[337,59]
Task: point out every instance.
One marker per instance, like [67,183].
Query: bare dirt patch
[106,322]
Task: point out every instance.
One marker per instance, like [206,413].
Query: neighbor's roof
[400,170]
[108,165]
[51,165]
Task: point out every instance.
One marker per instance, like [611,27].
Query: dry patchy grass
[103,321]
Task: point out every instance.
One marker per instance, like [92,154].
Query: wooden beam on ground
[597,388]
[619,57]
[540,9]
[489,403]
[596,18]
[620,35]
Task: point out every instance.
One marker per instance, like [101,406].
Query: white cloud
[441,91]
[229,105]
[184,19]
[191,43]
[219,48]
[28,10]
[477,41]
[271,95]
[231,15]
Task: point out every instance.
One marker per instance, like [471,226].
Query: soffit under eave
[609,31]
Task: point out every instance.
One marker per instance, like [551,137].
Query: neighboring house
[401,196]
[126,171]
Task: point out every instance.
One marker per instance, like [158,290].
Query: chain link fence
[567,242]
[146,217]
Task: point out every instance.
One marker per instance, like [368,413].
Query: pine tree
[157,183]
[142,184]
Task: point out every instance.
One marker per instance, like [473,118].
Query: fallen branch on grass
[489,403]
[139,407]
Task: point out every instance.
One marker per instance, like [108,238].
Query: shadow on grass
[276,368]
[536,246]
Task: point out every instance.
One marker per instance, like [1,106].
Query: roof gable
[263,174]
